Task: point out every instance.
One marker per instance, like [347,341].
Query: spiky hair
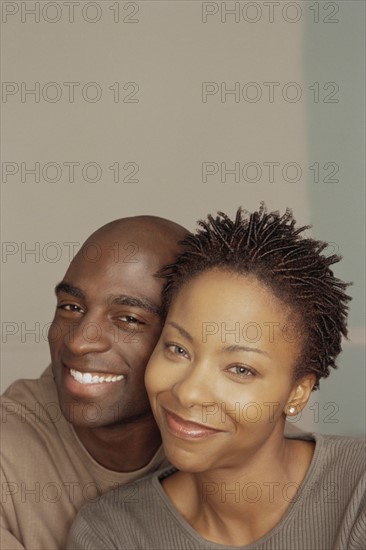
[270,247]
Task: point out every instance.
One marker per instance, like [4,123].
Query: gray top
[329,511]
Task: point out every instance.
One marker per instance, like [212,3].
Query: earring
[292,410]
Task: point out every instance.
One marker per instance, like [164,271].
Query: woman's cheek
[152,374]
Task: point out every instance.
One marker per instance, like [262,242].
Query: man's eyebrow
[69,289]
[244,348]
[143,303]
[181,330]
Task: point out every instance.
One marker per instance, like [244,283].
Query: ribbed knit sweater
[328,512]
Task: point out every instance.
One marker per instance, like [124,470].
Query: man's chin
[82,414]
[91,416]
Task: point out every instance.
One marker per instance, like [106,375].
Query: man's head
[109,318]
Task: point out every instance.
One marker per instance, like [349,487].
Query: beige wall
[140,99]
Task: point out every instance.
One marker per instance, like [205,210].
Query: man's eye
[69,307]
[130,319]
[241,371]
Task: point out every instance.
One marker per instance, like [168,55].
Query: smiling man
[85,426]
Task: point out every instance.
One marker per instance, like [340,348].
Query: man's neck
[124,447]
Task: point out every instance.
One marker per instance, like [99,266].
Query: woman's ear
[300,394]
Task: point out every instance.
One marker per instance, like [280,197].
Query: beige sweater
[46,473]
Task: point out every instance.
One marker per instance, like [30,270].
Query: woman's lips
[185,429]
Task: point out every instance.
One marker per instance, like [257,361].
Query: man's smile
[90,378]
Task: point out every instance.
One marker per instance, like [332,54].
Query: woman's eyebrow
[244,348]
[181,330]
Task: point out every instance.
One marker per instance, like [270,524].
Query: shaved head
[109,318]
[141,224]
[153,233]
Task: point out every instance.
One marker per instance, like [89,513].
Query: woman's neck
[237,507]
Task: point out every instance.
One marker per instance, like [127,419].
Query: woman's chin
[186,461]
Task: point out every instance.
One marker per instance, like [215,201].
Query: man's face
[105,327]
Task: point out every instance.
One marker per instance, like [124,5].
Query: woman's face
[221,374]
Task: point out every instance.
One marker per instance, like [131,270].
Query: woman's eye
[176,350]
[241,371]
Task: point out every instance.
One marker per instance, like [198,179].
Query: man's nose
[91,334]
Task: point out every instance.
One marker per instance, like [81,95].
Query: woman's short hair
[269,246]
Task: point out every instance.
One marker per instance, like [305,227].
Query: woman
[255,320]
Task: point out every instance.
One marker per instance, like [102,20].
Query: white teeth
[88,378]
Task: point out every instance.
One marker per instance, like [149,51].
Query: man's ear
[300,394]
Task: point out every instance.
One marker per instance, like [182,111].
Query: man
[85,425]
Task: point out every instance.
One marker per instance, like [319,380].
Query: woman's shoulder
[341,446]
[130,497]
[339,461]
[113,520]
[336,456]
[333,444]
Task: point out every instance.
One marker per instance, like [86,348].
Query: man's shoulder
[29,400]
[30,412]
[30,390]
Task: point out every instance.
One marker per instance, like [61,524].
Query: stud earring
[292,410]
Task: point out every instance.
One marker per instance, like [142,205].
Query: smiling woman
[254,321]
[226,380]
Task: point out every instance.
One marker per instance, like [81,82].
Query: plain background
[202,106]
